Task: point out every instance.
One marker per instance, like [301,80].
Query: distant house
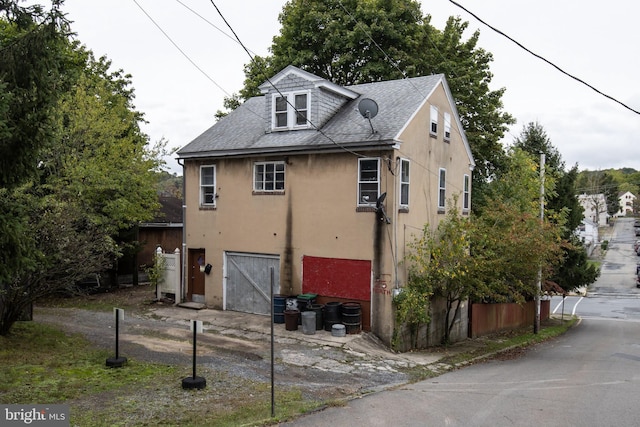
[323,185]
[588,234]
[595,208]
[626,201]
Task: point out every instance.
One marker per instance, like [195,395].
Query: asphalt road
[588,377]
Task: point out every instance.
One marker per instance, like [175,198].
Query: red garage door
[334,277]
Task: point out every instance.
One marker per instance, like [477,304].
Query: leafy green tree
[63,247]
[32,63]
[100,158]
[355,41]
[94,174]
[440,265]
[509,241]
[573,271]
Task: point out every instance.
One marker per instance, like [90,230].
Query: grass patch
[125,298]
[41,365]
[511,340]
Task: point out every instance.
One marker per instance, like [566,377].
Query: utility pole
[536,325]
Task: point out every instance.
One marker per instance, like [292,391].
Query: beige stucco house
[324,185]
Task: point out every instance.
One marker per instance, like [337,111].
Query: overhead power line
[180,50]
[544,59]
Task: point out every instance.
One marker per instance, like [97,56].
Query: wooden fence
[486,319]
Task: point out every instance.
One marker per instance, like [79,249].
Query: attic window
[291,110]
[447,127]
[433,129]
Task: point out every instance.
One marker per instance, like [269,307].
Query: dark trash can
[331,314]
[291,318]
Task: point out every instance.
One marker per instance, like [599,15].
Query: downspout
[396,200]
[184,232]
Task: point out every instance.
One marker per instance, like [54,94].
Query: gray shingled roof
[243,131]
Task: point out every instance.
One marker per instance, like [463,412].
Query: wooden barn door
[247,279]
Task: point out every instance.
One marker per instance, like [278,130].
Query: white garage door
[247,281]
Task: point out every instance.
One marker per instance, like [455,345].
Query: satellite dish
[368,108]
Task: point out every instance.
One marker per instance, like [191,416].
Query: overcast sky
[594,41]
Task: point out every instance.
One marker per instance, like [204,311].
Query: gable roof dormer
[296,99]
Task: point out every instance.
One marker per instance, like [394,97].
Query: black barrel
[291,318]
[279,303]
[319,319]
[331,314]
[351,315]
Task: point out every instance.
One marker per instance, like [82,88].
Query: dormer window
[291,110]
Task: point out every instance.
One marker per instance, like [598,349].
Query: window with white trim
[291,110]
[433,129]
[208,185]
[368,181]
[268,176]
[442,187]
[404,183]
[466,184]
[447,127]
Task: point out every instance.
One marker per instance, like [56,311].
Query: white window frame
[372,199]
[466,193]
[442,188]
[433,125]
[404,182]
[291,112]
[278,184]
[207,189]
[447,127]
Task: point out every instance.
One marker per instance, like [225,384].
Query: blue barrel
[279,303]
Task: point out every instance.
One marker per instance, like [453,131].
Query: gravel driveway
[240,345]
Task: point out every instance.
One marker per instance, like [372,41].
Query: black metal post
[194,351]
[193,381]
[117,362]
[273,396]
[117,334]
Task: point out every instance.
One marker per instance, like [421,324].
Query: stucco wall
[317,213]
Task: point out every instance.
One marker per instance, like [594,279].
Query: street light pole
[536,325]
